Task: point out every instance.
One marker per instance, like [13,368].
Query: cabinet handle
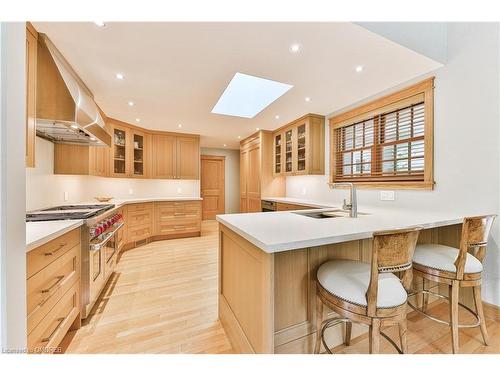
[60,320]
[55,285]
[49,253]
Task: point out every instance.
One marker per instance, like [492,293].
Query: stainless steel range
[99,244]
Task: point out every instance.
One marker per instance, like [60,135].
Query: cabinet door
[301,146]
[253,182]
[288,143]
[120,153]
[188,158]
[243,180]
[138,156]
[31,56]
[278,154]
[99,160]
[164,156]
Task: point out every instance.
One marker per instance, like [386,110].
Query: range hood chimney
[66,111]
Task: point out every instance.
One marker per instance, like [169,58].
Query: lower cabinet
[53,292]
[291,207]
[151,221]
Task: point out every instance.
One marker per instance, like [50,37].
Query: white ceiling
[175,72]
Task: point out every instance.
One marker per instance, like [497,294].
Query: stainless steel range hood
[66,111]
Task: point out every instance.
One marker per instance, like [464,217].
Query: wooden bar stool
[456,268]
[369,294]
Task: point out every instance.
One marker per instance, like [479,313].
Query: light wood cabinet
[81,160]
[31,68]
[177,219]
[53,286]
[176,157]
[292,207]
[256,172]
[299,147]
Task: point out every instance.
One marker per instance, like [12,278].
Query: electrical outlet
[179,190]
[66,196]
[387,195]
[304,191]
[131,191]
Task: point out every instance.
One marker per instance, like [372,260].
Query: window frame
[388,103]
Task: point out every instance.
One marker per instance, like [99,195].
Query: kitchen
[153,226]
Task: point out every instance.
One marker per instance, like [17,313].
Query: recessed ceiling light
[119,76]
[225,145]
[100,23]
[246,95]
[180,125]
[131,104]
[239,137]
[257,129]
[277,117]
[294,48]
[74,126]
[137,120]
[359,68]
[307,99]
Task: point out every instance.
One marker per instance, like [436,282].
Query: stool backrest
[392,251]
[475,233]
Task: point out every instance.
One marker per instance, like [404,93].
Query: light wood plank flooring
[163,299]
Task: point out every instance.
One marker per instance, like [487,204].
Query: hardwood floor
[163,299]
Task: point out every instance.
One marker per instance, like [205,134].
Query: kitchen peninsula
[268,263]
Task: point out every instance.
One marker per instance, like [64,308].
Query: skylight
[246,95]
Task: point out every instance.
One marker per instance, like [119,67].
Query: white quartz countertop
[41,232]
[300,202]
[285,230]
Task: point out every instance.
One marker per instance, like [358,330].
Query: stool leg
[319,323]
[479,309]
[453,290]
[403,325]
[348,329]
[375,336]
[425,296]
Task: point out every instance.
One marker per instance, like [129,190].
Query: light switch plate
[131,191]
[179,190]
[387,195]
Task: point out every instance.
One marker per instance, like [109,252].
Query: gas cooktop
[69,212]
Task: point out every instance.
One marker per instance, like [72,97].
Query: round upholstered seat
[443,258]
[349,280]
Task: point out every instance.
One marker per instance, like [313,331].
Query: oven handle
[98,246]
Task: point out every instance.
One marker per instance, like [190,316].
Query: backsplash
[44,189]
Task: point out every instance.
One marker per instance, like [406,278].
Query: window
[386,143]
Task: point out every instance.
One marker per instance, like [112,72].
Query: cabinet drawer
[52,329]
[140,217]
[47,287]
[139,232]
[178,210]
[139,207]
[49,252]
[178,227]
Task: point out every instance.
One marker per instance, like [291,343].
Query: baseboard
[132,245]
[491,311]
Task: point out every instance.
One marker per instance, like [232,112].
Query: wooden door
[212,186]
[31,57]
[188,158]
[164,156]
[253,180]
[243,180]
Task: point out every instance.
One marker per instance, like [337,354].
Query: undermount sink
[331,214]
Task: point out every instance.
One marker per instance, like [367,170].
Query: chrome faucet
[352,206]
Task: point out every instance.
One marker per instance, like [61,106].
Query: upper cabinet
[299,147]
[31,59]
[130,151]
[176,156]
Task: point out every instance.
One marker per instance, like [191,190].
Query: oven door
[110,252]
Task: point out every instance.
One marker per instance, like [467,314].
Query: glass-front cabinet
[130,152]
[299,147]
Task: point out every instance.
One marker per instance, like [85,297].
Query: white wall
[466,141]
[12,207]
[232,176]
[44,189]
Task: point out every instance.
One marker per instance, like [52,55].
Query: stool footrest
[474,314]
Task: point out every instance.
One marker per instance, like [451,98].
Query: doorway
[212,186]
